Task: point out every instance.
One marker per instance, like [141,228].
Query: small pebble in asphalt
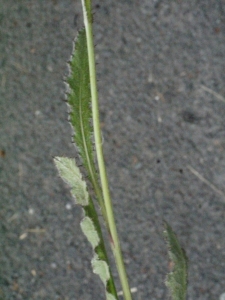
[53,265]
[68,206]
[222,296]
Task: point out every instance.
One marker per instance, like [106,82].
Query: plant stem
[99,152]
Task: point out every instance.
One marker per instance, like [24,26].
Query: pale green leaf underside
[100,268]
[177,279]
[89,230]
[110,297]
[70,173]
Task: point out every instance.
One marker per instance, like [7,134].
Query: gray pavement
[162,102]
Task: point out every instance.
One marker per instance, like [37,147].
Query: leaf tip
[176,280]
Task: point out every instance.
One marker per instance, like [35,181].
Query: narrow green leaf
[177,279]
[70,173]
[79,100]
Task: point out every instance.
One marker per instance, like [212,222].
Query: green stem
[99,152]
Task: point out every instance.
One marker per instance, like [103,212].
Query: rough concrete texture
[161,83]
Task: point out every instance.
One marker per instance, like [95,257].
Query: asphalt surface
[162,102]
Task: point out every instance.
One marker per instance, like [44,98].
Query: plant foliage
[79,100]
[90,226]
[83,108]
[177,279]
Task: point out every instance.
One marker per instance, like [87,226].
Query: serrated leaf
[70,173]
[90,231]
[177,279]
[79,100]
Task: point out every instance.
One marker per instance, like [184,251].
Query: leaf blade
[79,100]
[90,225]
[176,280]
[71,174]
